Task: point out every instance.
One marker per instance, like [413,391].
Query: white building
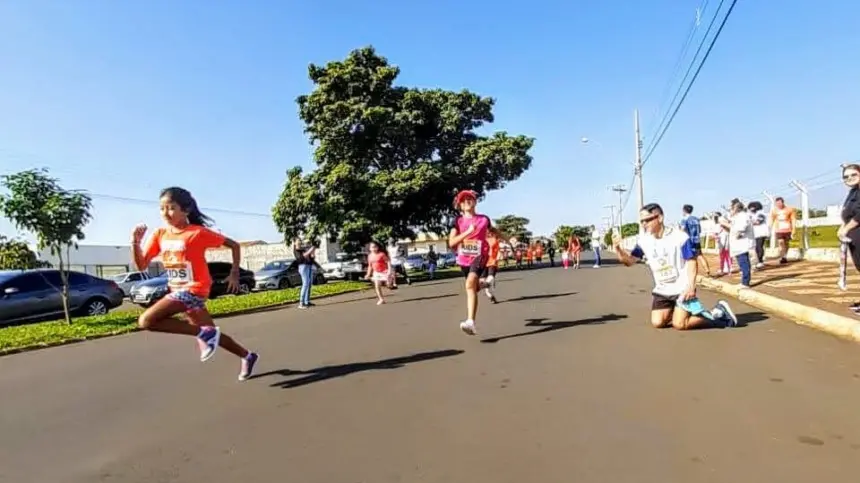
[98,260]
[107,260]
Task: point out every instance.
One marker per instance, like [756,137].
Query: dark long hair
[183,198]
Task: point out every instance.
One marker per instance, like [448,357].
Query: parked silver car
[128,280]
[28,295]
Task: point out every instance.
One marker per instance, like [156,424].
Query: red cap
[462,195]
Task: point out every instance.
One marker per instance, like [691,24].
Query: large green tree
[389,158]
[16,255]
[514,226]
[55,216]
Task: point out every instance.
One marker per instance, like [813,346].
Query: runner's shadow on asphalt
[429,297]
[544,326]
[537,297]
[331,372]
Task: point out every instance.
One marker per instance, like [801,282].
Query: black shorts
[786,237]
[697,248]
[479,264]
[663,302]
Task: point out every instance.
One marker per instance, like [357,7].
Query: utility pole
[620,189]
[638,164]
[611,209]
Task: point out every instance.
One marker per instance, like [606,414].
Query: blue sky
[125,98]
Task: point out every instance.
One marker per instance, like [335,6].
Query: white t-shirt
[761,230]
[741,238]
[595,239]
[667,258]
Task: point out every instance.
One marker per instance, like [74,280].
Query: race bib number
[179,274]
[665,272]
[470,248]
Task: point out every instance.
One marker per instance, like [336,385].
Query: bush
[46,334]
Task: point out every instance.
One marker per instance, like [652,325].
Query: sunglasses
[648,219]
[846,177]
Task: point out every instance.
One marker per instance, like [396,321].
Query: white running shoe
[468,326]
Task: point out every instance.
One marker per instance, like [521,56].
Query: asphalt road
[566,382]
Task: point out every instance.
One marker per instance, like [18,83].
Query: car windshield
[277,265]
[117,278]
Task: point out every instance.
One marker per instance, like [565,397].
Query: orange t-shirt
[783,220]
[183,255]
[493,258]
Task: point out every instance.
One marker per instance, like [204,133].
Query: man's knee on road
[661,318]
[681,320]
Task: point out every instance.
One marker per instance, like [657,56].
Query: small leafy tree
[55,216]
[514,226]
[16,255]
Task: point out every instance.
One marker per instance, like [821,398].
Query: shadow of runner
[429,297]
[537,297]
[332,372]
[553,326]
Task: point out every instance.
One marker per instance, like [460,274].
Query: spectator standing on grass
[851,217]
[784,223]
[761,232]
[741,239]
[305,253]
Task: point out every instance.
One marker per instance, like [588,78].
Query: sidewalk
[803,291]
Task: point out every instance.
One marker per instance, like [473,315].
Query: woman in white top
[761,231]
[741,236]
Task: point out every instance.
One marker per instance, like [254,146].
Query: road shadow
[429,297]
[332,372]
[748,318]
[537,297]
[544,326]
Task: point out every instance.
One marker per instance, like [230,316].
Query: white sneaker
[597,266]
[468,326]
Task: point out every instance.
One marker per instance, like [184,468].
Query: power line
[681,56]
[153,202]
[656,142]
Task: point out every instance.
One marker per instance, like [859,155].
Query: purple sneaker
[209,338]
[248,363]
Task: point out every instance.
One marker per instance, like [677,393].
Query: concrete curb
[843,327]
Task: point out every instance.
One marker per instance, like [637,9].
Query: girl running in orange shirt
[379,269]
[182,246]
[489,282]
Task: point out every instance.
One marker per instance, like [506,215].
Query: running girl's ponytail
[183,198]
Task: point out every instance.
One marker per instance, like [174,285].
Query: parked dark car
[281,274]
[29,295]
[148,292]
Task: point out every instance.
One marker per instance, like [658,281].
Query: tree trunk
[64,278]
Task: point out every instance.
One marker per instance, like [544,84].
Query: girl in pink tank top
[469,238]
[378,269]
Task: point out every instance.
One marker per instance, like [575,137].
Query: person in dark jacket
[848,231]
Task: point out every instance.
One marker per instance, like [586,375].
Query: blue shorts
[192,302]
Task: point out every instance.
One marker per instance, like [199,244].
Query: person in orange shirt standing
[182,246]
[784,223]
